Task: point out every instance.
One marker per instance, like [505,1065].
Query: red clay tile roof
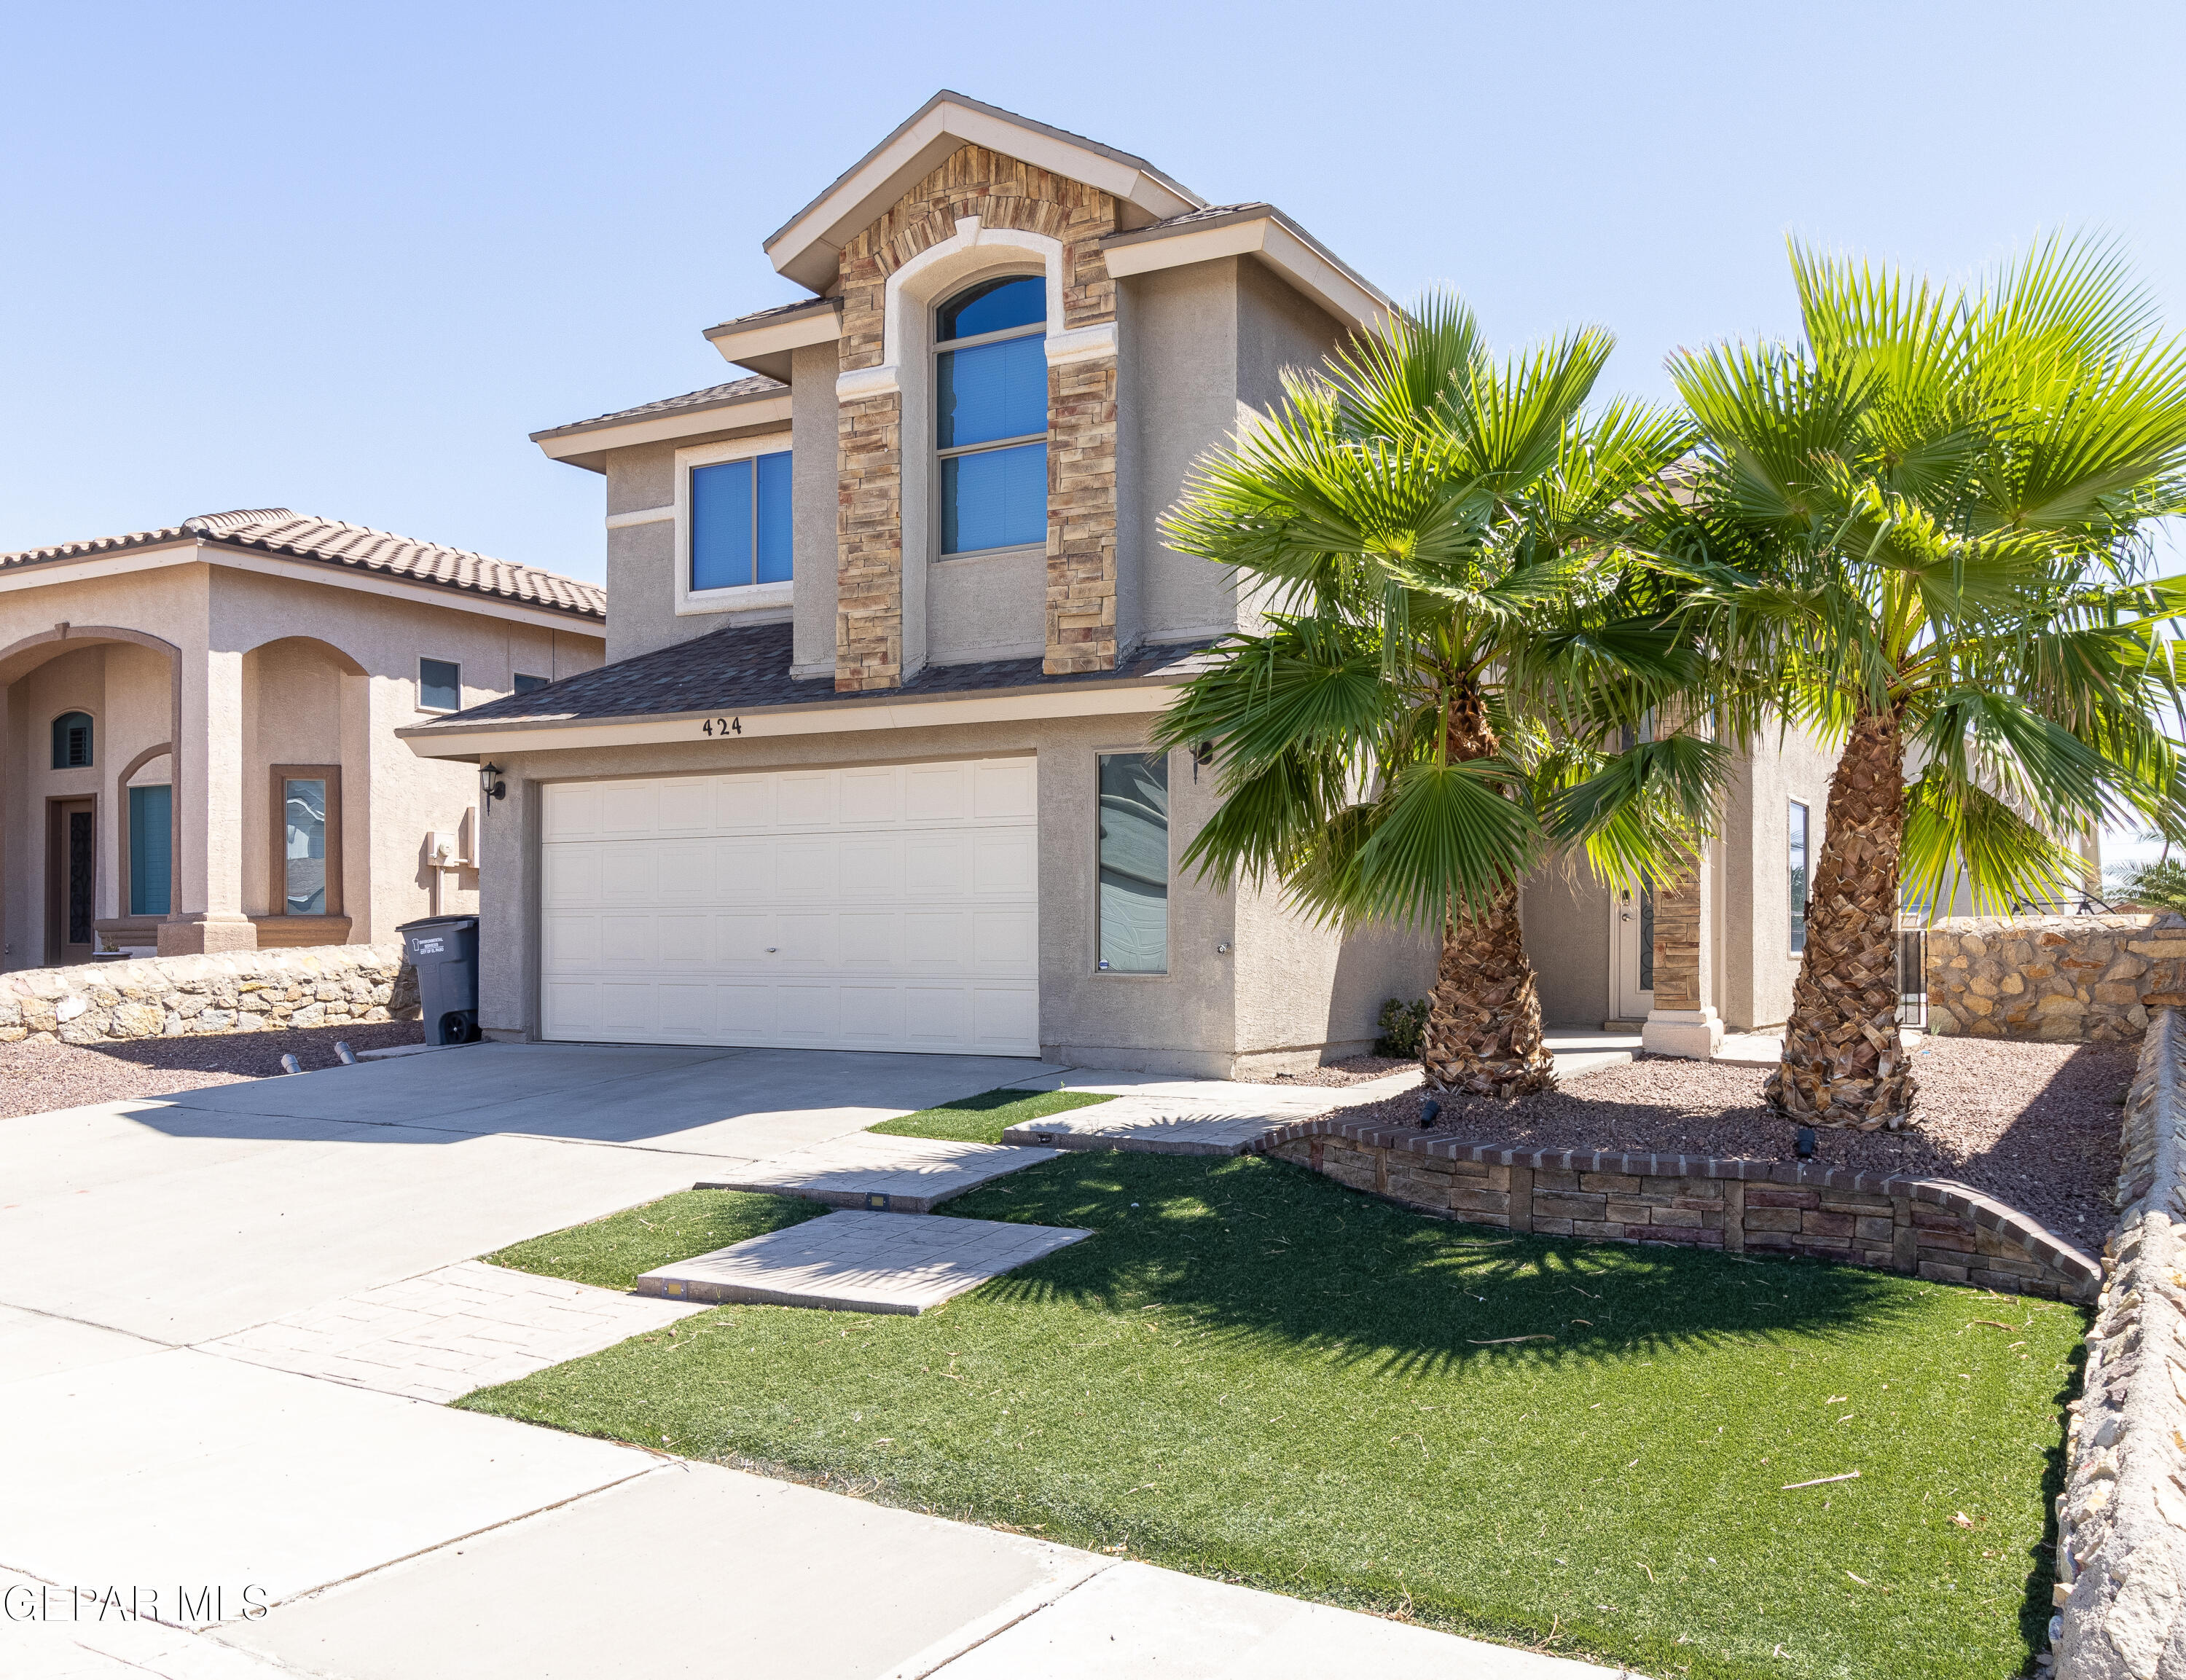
[280,530]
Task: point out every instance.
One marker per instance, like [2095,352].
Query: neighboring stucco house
[892,619]
[199,727]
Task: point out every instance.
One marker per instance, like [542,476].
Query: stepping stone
[857,1262]
[881,1173]
[1165,1129]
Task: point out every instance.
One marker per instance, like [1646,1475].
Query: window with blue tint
[1798,861]
[521,684]
[151,859]
[740,523]
[997,390]
[990,415]
[994,306]
[996,498]
[1133,933]
[72,740]
[439,685]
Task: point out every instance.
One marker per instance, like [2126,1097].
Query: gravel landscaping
[40,1074]
[2033,1125]
[1355,1070]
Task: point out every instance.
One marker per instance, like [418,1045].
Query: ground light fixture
[1803,1140]
[1430,1111]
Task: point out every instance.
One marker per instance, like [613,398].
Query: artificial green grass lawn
[610,1252]
[1250,1372]
[984,1118]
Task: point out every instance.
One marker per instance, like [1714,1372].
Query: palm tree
[1926,529]
[1451,644]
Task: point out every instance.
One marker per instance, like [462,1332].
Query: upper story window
[740,524]
[522,684]
[990,414]
[72,740]
[439,685]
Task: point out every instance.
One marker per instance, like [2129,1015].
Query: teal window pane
[72,740]
[993,306]
[721,525]
[303,846]
[992,392]
[775,540]
[151,859]
[1134,859]
[996,499]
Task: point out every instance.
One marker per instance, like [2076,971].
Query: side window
[740,523]
[521,684]
[150,848]
[1798,865]
[72,740]
[990,415]
[1133,842]
[307,840]
[439,685]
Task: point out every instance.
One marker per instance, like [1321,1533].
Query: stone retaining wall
[232,991]
[2073,979]
[1944,1232]
[2122,1519]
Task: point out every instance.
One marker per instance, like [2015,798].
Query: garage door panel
[869,939]
[805,800]
[868,907]
[937,865]
[1005,863]
[937,793]
[572,941]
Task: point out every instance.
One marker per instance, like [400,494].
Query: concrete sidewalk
[159,1261]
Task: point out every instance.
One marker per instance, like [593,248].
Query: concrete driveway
[391,1536]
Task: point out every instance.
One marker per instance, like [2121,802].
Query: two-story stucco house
[892,617]
[197,730]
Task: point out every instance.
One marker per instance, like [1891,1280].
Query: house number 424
[722,726]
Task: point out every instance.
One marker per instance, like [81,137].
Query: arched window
[72,740]
[990,414]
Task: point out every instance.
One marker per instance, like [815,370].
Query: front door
[1632,946]
[71,855]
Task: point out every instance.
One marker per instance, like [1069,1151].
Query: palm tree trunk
[1844,1064]
[1483,1031]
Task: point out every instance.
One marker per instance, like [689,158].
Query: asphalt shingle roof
[282,530]
[746,668]
[757,385]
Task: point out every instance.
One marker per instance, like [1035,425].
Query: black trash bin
[444,950]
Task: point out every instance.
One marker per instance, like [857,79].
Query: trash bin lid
[437,921]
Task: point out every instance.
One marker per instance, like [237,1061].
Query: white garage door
[880,907]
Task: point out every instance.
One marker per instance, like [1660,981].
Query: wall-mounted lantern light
[490,786]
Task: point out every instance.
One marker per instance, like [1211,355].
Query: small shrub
[1403,1024]
[2158,885]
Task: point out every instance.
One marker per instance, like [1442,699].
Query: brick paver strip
[444,1333]
[879,1172]
[861,1261]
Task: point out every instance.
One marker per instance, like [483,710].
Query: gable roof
[282,531]
[806,247]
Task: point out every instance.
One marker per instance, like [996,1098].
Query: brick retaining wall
[1943,1232]
[227,992]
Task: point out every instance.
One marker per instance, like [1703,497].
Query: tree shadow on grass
[1260,1251]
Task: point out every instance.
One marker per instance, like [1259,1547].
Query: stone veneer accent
[225,992]
[1081,439]
[1945,1233]
[2122,1519]
[2073,979]
[1678,945]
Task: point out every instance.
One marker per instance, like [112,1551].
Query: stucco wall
[986,606]
[812,370]
[1758,963]
[1566,915]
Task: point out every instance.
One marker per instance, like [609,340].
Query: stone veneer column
[1081,516]
[1682,1023]
[1003,193]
